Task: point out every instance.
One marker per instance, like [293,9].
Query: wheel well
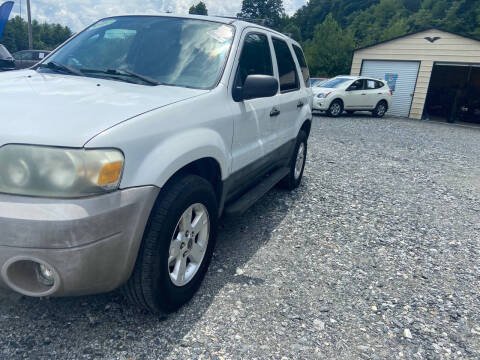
[307,126]
[338,99]
[384,101]
[207,168]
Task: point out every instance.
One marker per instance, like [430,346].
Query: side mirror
[257,86]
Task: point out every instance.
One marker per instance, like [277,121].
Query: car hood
[63,110]
[322,90]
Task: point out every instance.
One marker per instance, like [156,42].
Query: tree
[45,36]
[199,9]
[293,31]
[271,11]
[330,51]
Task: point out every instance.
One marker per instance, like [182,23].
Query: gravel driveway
[375,256]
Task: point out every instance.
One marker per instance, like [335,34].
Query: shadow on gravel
[357,114]
[104,326]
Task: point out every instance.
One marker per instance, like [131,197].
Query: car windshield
[4,54]
[163,50]
[334,83]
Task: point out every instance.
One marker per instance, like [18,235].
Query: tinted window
[256,58]
[172,51]
[335,83]
[29,55]
[357,85]
[379,84]
[303,64]
[286,66]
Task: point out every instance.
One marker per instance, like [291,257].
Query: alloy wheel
[189,244]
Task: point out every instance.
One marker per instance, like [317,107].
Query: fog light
[45,275]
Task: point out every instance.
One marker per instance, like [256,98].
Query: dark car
[6,60]
[27,58]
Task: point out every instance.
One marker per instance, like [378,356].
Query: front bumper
[90,244]
[321,104]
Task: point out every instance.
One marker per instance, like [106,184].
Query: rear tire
[297,163]
[380,109]
[152,285]
[335,109]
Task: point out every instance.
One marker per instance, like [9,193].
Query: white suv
[120,151]
[352,93]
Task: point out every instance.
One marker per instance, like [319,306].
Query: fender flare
[178,151]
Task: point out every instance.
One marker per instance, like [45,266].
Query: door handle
[300,104]
[274,112]
[364,94]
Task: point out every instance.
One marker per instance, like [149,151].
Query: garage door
[401,76]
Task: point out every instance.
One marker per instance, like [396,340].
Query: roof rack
[262,22]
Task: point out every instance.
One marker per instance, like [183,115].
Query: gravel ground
[375,256]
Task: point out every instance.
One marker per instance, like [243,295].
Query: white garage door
[401,77]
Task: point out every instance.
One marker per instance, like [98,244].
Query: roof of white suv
[241,24]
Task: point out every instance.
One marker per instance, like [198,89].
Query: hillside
[331,29]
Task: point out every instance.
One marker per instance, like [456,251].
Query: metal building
[432,72]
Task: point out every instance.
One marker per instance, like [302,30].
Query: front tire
[177,246]
[297,163]
[335,109]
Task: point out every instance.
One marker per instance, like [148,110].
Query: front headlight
[59,172]
[323,95]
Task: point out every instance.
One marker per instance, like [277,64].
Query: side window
[256,58]
[303,64]
[29,55]
[379,85]
[19,55]
[370,84]
[286,66]
[357,85]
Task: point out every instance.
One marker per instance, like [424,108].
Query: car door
[254,133]
[355,96]
[372,96]
[18,56]
[291,100]
[32,59]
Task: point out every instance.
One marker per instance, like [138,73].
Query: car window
[18,55]
[256,58]
[334,83]
[357,85]
[370,84]
[286,66]
[41,55]
[303,64]
[172,51]
[28,55]
[379,84]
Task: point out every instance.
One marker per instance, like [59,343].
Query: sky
[79,13]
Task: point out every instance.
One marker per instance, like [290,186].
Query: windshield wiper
[125,73]
[60,67]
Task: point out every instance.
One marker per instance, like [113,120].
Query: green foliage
[199,9]
[45,36]
[271,11]
[330,50]
[293,31]
[365,22]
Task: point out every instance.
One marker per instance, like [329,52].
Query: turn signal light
[110,173]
